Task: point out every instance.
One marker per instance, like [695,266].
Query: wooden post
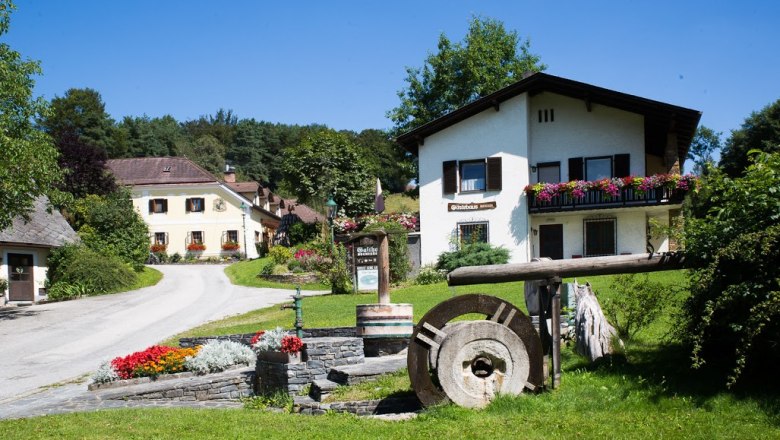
[384,267]
[555,323]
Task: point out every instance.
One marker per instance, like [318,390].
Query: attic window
[167,169]
[547,115]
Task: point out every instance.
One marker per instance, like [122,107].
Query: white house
[476,161]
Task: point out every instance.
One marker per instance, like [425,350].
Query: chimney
[230,174]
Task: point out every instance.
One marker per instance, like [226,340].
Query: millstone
[480,359]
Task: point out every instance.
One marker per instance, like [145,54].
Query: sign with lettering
[453,207]
[365,255]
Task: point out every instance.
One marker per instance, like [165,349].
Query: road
[51,343]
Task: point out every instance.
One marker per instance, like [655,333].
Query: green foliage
[267,268]
[279,399]
[635,303]
[388,161]
[475,254]
[301,232]
[488,59]
[336,274]
[206,151]
[3,285]
[760,131]
[326,163]
[401,203]
[149,137]
[398,249]
[64,291]
[279,269]
[280,254]
[80,116]
[85,271]
[429,275]
[110,225]
[732,238]
[176,257]
[28,160]
[704,144]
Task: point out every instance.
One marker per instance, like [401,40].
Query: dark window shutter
[450,177]
[622,165]
[188,205]
[494,174]
[575,168]
[151,206]
[165,205]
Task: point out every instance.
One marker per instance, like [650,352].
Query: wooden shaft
[539,270]
[384,268]
[555,323]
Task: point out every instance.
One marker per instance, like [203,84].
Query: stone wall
[337,332]
[390,405]
[320,354]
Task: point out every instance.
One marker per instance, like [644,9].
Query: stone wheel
[468,362]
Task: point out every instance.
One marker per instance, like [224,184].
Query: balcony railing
[600,199]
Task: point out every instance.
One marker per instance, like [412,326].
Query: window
[473,232]
[548,172]
[160,238]
[195,205]
[600,237]
[232,236]
[547,115]
[158,206]
[196,237]
[473,175]
[598,168]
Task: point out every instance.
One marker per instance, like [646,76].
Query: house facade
[25,248]
[188,209]
[476,163]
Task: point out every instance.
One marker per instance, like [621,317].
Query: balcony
[628,192]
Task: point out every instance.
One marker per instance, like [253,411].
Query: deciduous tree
[760,131]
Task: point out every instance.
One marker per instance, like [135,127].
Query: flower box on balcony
[196,247]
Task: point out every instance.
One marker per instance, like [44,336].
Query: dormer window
[167,169]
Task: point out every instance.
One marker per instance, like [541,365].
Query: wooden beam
[540,270]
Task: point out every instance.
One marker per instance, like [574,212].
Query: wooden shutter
[575,168]
[622,167]
[450,177]
[165,205]
[494,174]
[151,206]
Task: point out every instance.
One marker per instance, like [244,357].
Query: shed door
[20,277]
[551,241]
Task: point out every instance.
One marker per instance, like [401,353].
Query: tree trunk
[593,334]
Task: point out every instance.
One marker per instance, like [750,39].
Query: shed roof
[43,228]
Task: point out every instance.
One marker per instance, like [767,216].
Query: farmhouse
[480,167]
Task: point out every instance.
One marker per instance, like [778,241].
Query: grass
[244,273]
[146,278]
[649,392]
[401,203]
[389,385]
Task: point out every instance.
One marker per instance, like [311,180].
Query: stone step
[321,388]
[369,370]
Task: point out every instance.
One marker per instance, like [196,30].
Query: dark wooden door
[20,277]
[551,241]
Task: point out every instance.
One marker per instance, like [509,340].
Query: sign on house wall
[451,207]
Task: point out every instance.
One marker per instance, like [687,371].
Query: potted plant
[196,247]
[277,346]
[158,247]
[230,246]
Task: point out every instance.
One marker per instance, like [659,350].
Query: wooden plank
[538,270]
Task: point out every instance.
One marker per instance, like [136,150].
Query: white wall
[604,131]
[488,134]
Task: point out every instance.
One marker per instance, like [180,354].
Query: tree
[760,131]
[151,137]
[732,317]
[705,142]
[205,151]
[328,163]
[251,149]
[84,168]
[393,165]
[28,159]
[488,59]
[221,126]
[81,114]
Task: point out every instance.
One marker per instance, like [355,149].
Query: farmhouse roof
[660,117]
[243,187]
[304,212]
[42,228]
[158,170]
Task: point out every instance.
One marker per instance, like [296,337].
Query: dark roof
[659,117]
[304,212]
[243,187]
[152,171]
[43,228]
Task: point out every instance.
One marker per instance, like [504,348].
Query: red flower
[291,344]
[125,366]
[257,337]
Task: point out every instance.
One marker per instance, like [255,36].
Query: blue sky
[341,63]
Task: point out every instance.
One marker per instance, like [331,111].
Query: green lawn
[649,392]
[244,273]
[147,277]
[401,203]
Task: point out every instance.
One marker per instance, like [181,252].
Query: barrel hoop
[386,324]
[374,318]
[390,336]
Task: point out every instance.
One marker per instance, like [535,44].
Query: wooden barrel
[385,328]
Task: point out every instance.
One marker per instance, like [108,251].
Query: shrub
[280,254]
[280,269]
[217,356]
[398,249]
[268,268]
[262,249]
[335,270]
[175,258]
[63,291]
[300,232]
[430,275]
[636,302]
[476,254]
[97,273]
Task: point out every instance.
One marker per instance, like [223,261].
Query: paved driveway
[45,344]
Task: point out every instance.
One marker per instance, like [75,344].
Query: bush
[216,356]
[430,275]
[732,239]
[300,232]
[93,273]
[268,268]
[175,258]
[280,254]
[476,254]
[636,302]
[336,274]
[279,269]
[63,291]
[398,249]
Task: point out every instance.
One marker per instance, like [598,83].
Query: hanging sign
[454,207]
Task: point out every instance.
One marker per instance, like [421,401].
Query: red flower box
[230,246]
[195,247]
[158,247]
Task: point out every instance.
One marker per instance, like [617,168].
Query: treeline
[85,134]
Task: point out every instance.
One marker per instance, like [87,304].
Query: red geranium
[291,344]
[256,337]
[124,366]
